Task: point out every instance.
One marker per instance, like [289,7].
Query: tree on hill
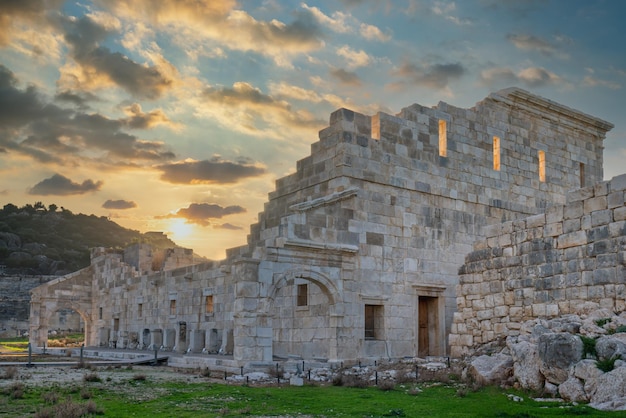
[36,240]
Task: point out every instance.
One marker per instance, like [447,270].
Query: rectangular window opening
[100,313]
[582,175]
[140,310]
[542,166]
[443,138]
[302,298]
[173,307]
[373,322]
[208,303]
[496,153]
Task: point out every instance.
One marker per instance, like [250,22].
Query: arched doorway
[303,312]
[66,328]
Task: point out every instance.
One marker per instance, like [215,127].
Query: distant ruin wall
[544,266]
[15,300]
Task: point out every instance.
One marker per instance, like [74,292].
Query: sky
[179,115]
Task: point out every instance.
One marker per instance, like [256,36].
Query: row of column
[180,340]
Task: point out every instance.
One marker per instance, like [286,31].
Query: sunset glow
[179,116]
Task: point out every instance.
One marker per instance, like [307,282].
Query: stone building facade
[357,253]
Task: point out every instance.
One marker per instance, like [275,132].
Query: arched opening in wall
[66,328]
[301,320]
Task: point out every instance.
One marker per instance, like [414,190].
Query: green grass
[141,398]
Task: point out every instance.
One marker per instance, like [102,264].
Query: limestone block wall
[544,266]
[166,309]
[15,300]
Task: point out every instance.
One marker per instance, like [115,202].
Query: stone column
[181,338]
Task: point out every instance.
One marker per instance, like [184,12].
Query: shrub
[10,372]
[50,397]
[602,321]
[621,328]
[607,365]
[140,377]
[15,390]
[92,377]
[85,394]
[386,385]
[589,346]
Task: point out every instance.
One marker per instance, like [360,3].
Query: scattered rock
[490,370]
[572,390]
[558,352]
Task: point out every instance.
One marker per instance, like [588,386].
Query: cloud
[446,10]
[202,213]
[593,81]
[119,204]
[214,171]
[62,186]
[354,58]
[199,21]
[345,77]
[341,22]
[137,119]
[79,98]
[48,133]
[229,227]
[532,43]
[434,76]
[249,110]
[29,12]
[99,66]
[531,77]
[372,33]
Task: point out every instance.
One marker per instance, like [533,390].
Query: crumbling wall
[544,266]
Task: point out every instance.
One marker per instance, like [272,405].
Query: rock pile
[579,358]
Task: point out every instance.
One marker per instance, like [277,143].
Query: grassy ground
[132,393]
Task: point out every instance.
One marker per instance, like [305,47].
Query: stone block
[618,183]
[579,194]
[595,203]
[536,221]
[615,199]
[619,214]
[601,217]
[572,239]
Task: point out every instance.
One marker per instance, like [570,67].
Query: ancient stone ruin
[427,233]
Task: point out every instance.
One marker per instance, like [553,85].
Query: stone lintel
[322,246]
[326,200]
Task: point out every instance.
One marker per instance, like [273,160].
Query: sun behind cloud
[179,229]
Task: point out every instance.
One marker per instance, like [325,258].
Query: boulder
[610,393]
[572,390]
[489,370]
[610,346]
[558,352]
[526,364]
[587,371]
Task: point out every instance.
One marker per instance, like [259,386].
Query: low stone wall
[569,260]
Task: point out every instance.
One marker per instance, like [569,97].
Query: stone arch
[330,289]
[68,292]
[308,335]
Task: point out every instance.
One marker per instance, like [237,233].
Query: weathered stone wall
[14,302]
[544,266]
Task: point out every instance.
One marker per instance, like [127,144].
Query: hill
[54,241]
